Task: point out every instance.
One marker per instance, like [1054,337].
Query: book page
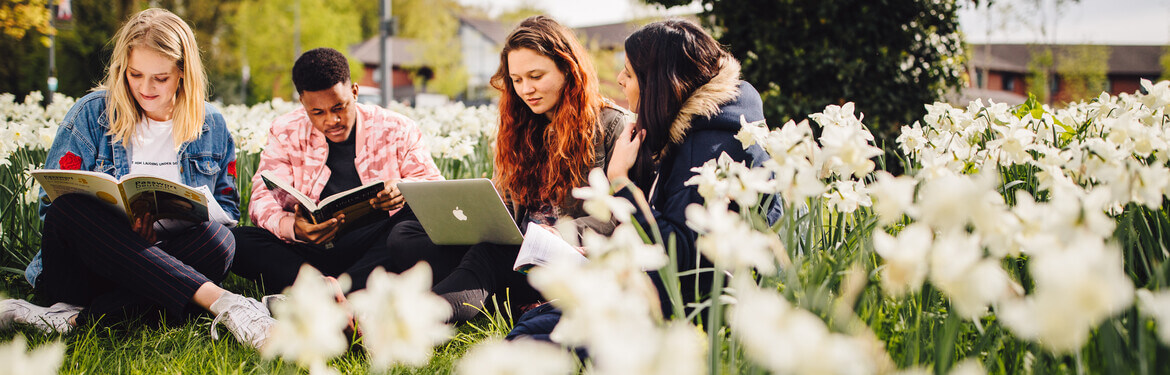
[354,203]
[541,247]
[95,184]
[214,211]
[166,199]
[285,194]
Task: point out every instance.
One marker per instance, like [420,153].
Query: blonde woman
[150,116]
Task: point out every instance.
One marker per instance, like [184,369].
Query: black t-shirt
[341,163]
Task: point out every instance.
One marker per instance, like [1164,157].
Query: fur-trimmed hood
[715,102]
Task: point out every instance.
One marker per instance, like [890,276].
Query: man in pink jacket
[330,145]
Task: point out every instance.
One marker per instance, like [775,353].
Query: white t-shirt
[152,150]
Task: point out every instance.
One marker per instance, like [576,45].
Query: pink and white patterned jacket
[389,147]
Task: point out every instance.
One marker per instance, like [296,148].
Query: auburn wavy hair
[541,159]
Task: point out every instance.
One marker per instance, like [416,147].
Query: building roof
[403,52]
[1123,59]
[608,36]
[493,30]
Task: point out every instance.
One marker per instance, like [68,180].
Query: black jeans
[468,276]
[93,258]
[263,256]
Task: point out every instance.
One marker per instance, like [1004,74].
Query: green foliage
[81,46]
[1039,76]
[1165,62]
[267,29]
[438,34]
[18,17]
[1082,70]
[888,56]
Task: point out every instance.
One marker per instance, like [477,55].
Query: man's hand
[389,199]
[315,233]
[144,226]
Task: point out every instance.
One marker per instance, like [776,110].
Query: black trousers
[93,258]
[262,256]
[469,276]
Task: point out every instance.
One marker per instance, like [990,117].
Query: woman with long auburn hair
[554,128]
[149,117]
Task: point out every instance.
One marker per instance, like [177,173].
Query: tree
[1082,70]
[82,50]
[18,17]
[267,32]
[438,35]
[433,24]
[1039,79]
[888,56]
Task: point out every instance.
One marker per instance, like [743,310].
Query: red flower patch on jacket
[226,191]
[70,161]
[232,168]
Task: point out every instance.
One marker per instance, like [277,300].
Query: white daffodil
[971,281]
[612,314]
[309,322]
[1158,94]
[891,196]
[789,340]
[1013,144]
[847,151]
[906,258]
[599,200]
[520,357]
[912,140]
[15,357]
[846,196]
[1077,288]
[624,249]
[730,242]
[953,201]
[401,319]
[1156,305]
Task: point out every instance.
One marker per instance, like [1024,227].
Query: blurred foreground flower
[789,340]
[906,258]
[1077,288]
[16,359]
[599,200]
[730,242]
[1156,306]
[309,323]
[520,357]
[401,320]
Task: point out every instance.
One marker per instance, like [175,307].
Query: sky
[1086,21]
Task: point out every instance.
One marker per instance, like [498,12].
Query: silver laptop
[461,212]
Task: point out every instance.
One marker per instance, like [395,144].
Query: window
[1009,83]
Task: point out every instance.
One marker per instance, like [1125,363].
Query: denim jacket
[83,136]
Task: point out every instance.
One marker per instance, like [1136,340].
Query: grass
[139,347]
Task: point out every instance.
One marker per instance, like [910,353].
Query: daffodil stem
[715,323]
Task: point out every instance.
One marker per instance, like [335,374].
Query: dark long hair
[533,165]
[671,59]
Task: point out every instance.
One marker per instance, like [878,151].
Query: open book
[137,194]
[541,246]
[354,203]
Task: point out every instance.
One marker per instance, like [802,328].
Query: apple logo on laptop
[459,214]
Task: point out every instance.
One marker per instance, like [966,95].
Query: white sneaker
[271,301]
[246,318]
[50,319]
